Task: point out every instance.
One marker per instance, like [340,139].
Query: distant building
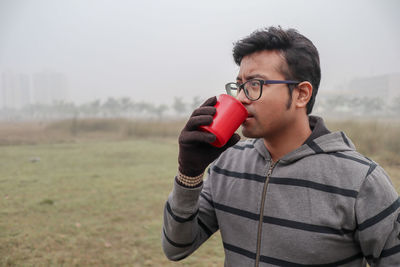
[385,86]
[49,87]
[14,90]
[18,90]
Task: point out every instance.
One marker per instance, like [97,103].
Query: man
[293,193]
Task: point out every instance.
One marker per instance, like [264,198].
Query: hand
[195,150]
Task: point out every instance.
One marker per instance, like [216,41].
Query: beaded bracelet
[189,180]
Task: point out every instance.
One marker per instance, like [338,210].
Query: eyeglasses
[253,87]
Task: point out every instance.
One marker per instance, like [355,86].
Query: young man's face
[269,115]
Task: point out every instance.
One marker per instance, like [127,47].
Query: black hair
[302,59]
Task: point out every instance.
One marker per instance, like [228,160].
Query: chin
[248,134]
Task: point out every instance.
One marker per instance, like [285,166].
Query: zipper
[260,222]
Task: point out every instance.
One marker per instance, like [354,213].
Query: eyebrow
[252,77]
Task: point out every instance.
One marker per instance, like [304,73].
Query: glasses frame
[262,83]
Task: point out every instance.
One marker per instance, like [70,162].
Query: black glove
[195,150]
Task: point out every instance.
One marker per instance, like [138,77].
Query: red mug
[229,116]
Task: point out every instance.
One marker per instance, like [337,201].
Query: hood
[320,141]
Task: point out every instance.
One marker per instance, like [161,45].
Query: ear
[304,94]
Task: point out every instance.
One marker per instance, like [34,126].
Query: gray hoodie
[323,204]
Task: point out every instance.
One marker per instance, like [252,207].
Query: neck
[288,139]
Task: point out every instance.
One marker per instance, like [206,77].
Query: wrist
[190,172]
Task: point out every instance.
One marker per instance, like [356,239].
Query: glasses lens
[253,89]
[232,89]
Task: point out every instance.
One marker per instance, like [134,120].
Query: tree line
[125,107]
[110,108]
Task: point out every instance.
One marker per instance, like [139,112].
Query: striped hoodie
[323,204]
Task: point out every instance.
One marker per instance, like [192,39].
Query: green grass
[93,203]
[95,196]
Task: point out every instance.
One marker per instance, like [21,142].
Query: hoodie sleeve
[189,220]
[378,220]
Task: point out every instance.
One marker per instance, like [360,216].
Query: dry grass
[50,132]
[378,140]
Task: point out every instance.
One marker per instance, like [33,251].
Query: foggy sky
[155,50]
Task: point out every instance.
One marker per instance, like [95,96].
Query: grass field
[91,203]
[97,199]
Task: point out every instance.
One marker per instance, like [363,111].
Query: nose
[243,98]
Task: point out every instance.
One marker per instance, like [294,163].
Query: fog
[157,50]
